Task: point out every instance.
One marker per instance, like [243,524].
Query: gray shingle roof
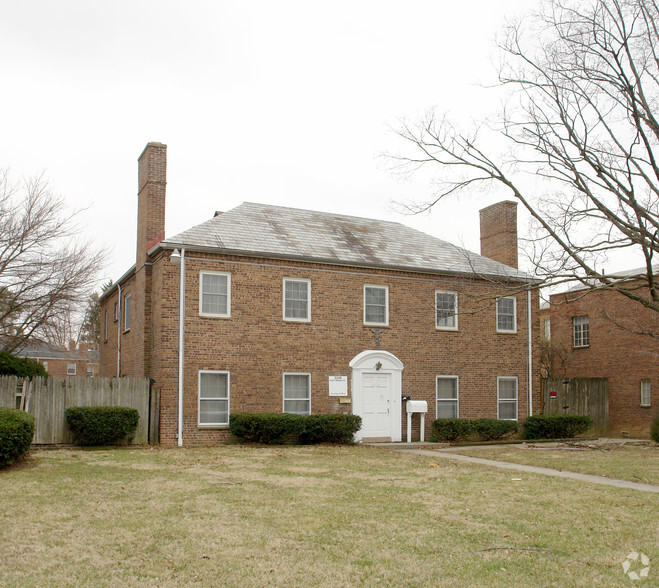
[274,231]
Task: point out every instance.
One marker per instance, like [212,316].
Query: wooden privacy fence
[579,396]
[46,399]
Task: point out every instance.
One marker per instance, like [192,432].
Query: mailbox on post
[420,406]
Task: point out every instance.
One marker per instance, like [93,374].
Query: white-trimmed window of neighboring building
[507,398]
[71,369]
[507,315]
[213,398]
[297,393]
[376,305]
[646,400]
[215,294]
[447,397]
[446,310]
[116,312]
[547,329]
[580,331]
[297,299]
[45,365]
[127,312]
[90,371]
[106,326]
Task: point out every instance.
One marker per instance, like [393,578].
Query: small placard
[338,385]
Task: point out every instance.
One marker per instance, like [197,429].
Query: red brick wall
[615,352]
[257,346]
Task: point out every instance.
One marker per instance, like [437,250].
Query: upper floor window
[547,329]
[507,315]
[116,312]
[213,397]
[127,312]
[297,300]
[645,393]
[105,327]
[376,305]
[447,397]
[215,294]
[71,369]
[507,398]
[446,311]
[580,331]
[297,393]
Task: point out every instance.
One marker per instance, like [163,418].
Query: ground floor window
[213,397]
[507,398]
[297,393]
[447,397]
[645,393]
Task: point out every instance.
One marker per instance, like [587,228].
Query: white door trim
[371,361]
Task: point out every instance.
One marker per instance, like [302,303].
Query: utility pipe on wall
[181,338]
[530,352]
[119,316]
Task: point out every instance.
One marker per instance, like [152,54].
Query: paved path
[533,469]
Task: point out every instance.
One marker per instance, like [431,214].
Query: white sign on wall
[338,385]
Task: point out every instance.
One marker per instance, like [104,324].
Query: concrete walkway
[443,453]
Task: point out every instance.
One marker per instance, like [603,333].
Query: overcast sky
[287,103]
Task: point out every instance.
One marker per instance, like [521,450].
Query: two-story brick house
[308,312]
[603,334]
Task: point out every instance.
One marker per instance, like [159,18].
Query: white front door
[376,395]
[376,406]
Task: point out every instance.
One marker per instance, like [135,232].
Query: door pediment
[370,358]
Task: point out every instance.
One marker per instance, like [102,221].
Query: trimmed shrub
[556,426]
[265,427]
[494,429]
[451,429]
[102,425]
[654,430]
[10,365]
[330,428]
[16,431]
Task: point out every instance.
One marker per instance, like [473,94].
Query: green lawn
[638,463]
[307,516]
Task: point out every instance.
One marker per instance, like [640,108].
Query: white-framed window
[580,331]
[106,326]
[645,393]
[297,393]
[507,315]
[446,310]
[127,312]
[116,312]
[215,294]
[90,370]
[507,398]
[213,398]
[376,305]
[547,329]
[45,365]
[297,300]
[447,397]
[71,369]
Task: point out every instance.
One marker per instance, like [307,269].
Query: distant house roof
[38,349]
[273,231]
[622,276]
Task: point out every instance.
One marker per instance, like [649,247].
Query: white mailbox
[417,406]
[420,406]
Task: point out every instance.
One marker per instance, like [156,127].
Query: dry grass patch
[302,516]
[637,462]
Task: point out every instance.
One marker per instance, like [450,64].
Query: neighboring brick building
[310,312]
[60,361]
[596,335]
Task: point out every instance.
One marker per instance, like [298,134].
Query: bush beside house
[556,426]
[10,365]
[481,429]
[102,425]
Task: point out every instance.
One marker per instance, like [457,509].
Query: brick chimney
[151,186]
[499,232]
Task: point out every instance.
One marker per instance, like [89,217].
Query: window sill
[501,332]
[454,329]
[125,331]
[645,405]
[294,320]
[580,346]
[215,316]
[378,325]
[212,426]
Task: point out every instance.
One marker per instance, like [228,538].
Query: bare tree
[581,133]
[46,270]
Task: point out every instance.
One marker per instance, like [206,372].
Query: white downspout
[530,353]
[119,316]
[181,346]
